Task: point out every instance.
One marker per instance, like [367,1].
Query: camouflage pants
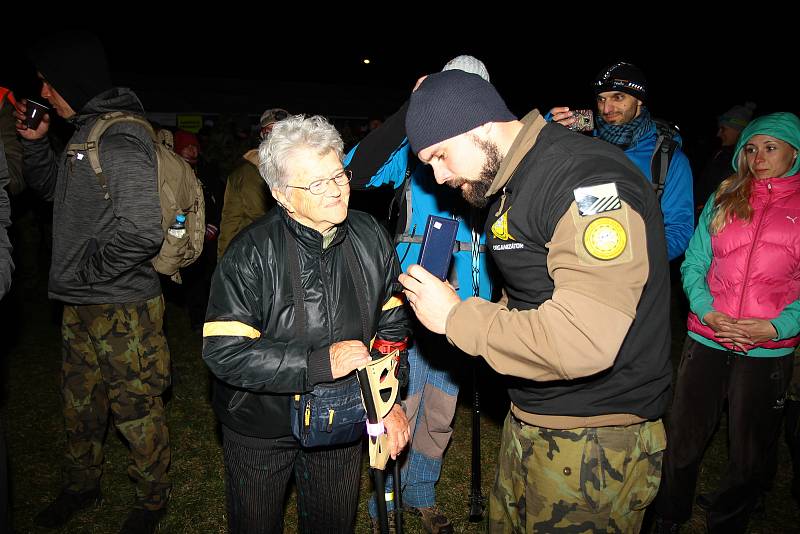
[116,356]
[580,480]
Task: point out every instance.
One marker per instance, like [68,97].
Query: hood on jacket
[75,64]
[115,99]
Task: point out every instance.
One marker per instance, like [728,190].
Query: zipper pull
[330,419]
[502,203]
[307,420]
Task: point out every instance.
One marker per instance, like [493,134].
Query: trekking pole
[476,499]
[377,407]
[398,498]
[379,483]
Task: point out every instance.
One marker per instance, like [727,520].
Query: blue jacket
[429,198]
[677,200]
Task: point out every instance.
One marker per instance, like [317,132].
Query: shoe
[142,521]
[67,503]
[376,527]
[433,520]
[665,526]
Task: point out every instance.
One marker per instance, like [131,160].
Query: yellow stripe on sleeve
[393,302]
[230,328]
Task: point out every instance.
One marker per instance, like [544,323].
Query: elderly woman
[742,278]
[263,349]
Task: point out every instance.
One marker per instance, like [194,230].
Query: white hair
[294,133]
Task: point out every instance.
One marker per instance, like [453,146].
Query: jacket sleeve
[6,263]
[697,263]
[677,205]
[39,167]
[393,324]
[10,164]
[129,164]
[236,347]
[580,329]
[368,159]
[787,324]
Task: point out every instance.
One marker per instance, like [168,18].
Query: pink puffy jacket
[755,270]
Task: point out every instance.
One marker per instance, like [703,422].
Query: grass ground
[35,440]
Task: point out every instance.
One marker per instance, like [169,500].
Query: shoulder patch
[597,199]
[605,238]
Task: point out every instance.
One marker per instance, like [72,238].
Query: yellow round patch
[605,238]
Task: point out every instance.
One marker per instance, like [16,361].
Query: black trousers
[257,473]
[755,390]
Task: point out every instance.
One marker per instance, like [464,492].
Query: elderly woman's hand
[396,425]
[346,356]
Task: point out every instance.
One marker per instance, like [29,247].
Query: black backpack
[662,155]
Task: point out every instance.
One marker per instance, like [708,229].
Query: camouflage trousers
[579,480]
[116,357]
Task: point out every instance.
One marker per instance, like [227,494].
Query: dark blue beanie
[450,103]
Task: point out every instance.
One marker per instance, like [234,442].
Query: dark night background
[245,63]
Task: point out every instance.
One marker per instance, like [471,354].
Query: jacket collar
[777,186]
[308,238]
[532,125]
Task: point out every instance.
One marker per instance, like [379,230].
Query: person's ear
[282,200]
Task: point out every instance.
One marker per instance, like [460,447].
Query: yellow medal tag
[605,238]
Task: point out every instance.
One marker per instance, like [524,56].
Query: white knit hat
[468,64]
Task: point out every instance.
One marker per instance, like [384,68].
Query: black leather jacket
[249,340]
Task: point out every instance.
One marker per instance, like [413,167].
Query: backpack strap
[92,145]
[662,156]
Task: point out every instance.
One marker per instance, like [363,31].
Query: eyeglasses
[318,187]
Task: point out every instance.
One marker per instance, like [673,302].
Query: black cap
[622,77]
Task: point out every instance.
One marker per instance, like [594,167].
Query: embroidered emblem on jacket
[793,219]
[500,228]
[605,238]
[597,199]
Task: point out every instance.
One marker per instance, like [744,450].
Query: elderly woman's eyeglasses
[318,187]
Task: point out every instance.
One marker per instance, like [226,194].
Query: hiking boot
[433,520]
[67,503]
[665,526]
[142,521]
[376,526]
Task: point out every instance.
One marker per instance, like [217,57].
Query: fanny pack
[332,413]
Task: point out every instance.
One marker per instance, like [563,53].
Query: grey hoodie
[101,248]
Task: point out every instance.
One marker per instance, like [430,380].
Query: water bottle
[178,228]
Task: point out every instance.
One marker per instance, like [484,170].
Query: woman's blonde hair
[732,199]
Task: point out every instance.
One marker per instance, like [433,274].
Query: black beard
[475,192]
